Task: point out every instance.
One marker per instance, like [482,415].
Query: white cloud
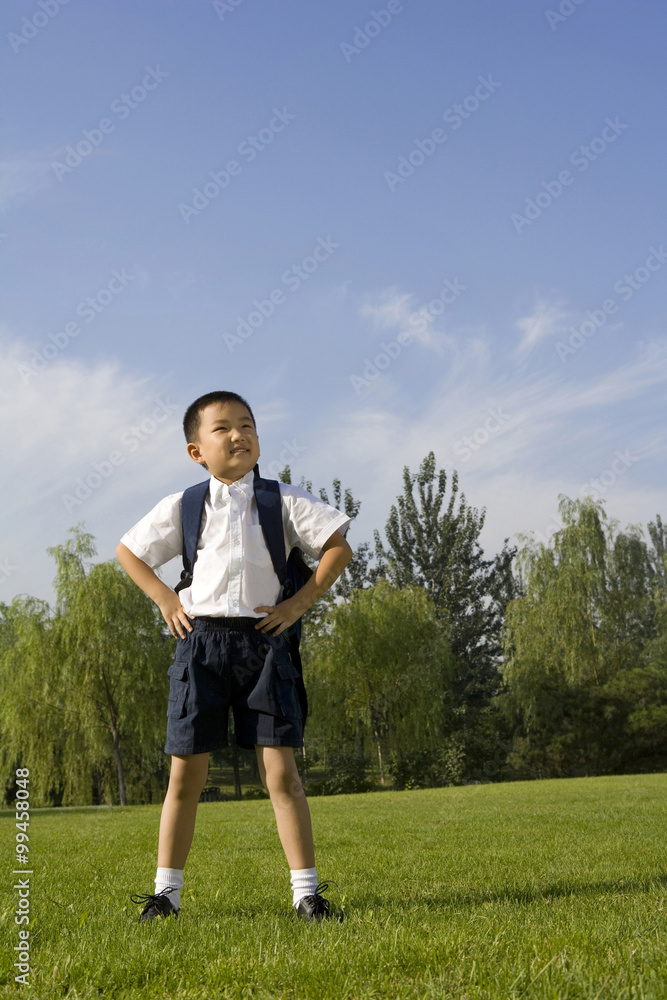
[393,310]
[272,412]
[81,442]
[551,438]
[547,319]
[547,437]
[625,383]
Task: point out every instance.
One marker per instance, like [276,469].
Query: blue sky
[394,228]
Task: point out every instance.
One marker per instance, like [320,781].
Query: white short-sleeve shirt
[233,573]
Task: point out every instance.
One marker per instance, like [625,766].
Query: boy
[231,648]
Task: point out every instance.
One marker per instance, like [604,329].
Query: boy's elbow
[342,546]
[345,550]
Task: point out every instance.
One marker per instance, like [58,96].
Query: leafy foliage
[346,773]
[425,661]
[383,669]
[84,686]
[584,647]
[433,544]
[355,574]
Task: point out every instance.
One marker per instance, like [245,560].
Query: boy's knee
[188,775]
[279,774]
[284,785]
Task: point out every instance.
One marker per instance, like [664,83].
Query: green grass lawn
[552,889]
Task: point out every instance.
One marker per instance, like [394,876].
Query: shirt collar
[221,493]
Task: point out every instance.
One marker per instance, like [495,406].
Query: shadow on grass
[437,901]
[446,900]
[217,911]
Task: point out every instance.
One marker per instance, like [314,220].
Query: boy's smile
[227,442]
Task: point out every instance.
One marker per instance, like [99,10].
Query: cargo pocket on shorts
[179,686]
[285,686]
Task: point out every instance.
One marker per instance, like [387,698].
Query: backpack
[292,572]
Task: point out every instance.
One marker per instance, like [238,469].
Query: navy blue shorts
[250,671]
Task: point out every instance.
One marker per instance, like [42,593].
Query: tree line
[426,664]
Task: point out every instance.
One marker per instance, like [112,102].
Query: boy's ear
[195,454]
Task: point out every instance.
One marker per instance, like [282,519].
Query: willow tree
[583,622]
[385,664]
[553,630]
[632,597]
[639,650]
[114,655]
[83,687]
[31,701]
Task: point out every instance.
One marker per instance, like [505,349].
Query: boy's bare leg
[280,777]
[177,823]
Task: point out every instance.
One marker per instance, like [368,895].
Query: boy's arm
[167,601]
[336,554]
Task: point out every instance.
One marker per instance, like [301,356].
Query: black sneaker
[157,905]
[315,908]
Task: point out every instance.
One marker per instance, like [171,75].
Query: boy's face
[227,441]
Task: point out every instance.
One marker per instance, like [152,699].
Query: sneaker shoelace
[150,898]
[321,904]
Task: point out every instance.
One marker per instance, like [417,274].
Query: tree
[629,617]
[553,628]
[439,550]
[114,658]
[84,686]
[642,685]
[576,641]
[434,544]
[383,668]
[658,553]
[30,699]
[355,573]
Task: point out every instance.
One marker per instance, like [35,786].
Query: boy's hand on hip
[280,617]
[174,615]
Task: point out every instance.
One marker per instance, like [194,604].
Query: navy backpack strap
[270,510]
[192,508]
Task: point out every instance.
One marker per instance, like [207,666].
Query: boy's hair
[192,418]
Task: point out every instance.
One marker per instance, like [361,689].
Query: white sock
[304,881]
[170,878]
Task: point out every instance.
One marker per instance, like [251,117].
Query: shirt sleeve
[158,536]
[309,522]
